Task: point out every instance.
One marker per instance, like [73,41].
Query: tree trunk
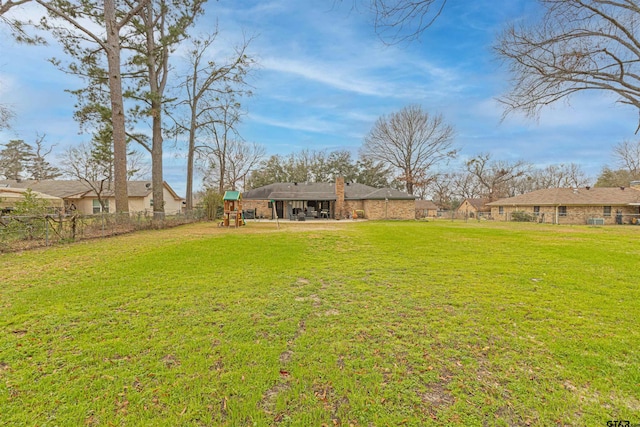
[117,109]
[190,160]
[223,171]
[157,180]
[409,177]
[156,164]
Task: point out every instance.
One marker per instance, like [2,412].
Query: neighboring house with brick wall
[80,197]
[426,209]
[586,205]
[474,208]
[337,200]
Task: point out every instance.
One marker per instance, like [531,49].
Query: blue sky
[324,77]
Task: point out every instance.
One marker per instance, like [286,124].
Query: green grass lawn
[364,324]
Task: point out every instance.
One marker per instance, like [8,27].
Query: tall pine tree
[15,158]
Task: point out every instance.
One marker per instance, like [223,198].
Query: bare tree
[223,133]
[203,86]
[627,155]
[578,45]
[39,168]
[242,157]
[569,175]
[94,163]
[442,191]
[413,142]
[89,164]
[465,185]
[498,178]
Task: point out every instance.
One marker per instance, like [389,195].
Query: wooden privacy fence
[20,232]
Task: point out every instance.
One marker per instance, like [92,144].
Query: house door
[280,209]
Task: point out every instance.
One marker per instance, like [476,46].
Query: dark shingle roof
[292,191]
[322,191]
[594,196]
[381,194]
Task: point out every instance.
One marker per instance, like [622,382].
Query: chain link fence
[20,232]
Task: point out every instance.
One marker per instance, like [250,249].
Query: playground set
[232,216]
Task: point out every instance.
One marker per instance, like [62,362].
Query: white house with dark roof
[321,200]
[81,197]
[585,205]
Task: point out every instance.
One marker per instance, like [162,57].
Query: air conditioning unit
[595,221]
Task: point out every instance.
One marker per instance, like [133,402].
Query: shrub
[522,216]
[31,204]
[212,204]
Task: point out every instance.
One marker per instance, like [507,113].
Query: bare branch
[398,21]
[413,142]
[578,45]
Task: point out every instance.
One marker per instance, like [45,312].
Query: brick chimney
[339,211]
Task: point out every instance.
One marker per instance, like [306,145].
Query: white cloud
[307,124]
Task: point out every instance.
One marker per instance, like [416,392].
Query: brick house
[586,205]
[426,209]
[337,200]
[474,208]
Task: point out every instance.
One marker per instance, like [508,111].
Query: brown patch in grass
[268,401]
[437,395]
[315,299]
[326,394]
[285,357]
[170,361]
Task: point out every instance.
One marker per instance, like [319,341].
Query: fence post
[73,227]
[46,231]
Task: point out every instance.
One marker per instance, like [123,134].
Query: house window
[562,211]
[501,210]
[536,210]
[607,211]
[97,208]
